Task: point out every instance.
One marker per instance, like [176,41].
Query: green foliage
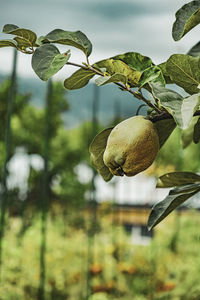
[28,130]
[135,60]
[117,77]
[182,109]
[184,71]
[150,75]
[164,130]
[196,136]
[79,79]
[76,39]
[47,60]
[127,71]
[187,17]
[97,149]
[188,134]
[177,179]
[24,38]
[116,67]
[175,198]
[195,50]
[8,43]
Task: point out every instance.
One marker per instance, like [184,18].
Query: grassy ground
[166,269]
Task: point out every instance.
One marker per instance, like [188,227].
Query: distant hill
[111,101]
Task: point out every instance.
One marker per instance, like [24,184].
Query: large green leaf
[175,198]
[188,134]
[135,60]
[164,129]
[184,70]
[113,66]
[177,179]
[182,109]
[22,43]
[195,50]
[117,77]
[162,66]
[73,38]
[196,135]
[97,149]
[151,74]
[169,99]
[26,37]
[187,17]
[78,79]
[8,43]
[47,60]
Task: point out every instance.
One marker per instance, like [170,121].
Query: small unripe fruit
[131,147]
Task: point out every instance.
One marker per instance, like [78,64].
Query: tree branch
[165,115]
[137,95]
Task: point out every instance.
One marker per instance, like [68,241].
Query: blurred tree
[66,150]
[19,104]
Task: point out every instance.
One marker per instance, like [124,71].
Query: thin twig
[138,110]
[166,115]
[137,95]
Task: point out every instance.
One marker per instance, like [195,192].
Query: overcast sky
[113,26]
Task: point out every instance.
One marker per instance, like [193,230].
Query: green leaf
[168,99]
[177,179]
[8,43]
[9,27]
[78,79]
[162,66]
[47,60]
[189,106]
[108,79]
[182,109]
[117,66]
[184,71]
[195,50]
[21,43]
[151,74]
[187,134]
[196,135]
[76,39]
[164,129]
[39,40]
[97,148]
[135,60]
[29,37]
[187,17]
[175,198]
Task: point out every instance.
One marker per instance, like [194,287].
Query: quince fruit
[131,147]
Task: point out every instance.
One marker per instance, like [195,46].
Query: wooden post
[45,192]
[4,195]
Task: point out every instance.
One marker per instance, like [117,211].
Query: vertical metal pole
[115,209]
[4,196]
[45,193]
[92,203]
[95,109]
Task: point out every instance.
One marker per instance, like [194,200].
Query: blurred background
[64,232]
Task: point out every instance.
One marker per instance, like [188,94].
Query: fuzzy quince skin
[131,147]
